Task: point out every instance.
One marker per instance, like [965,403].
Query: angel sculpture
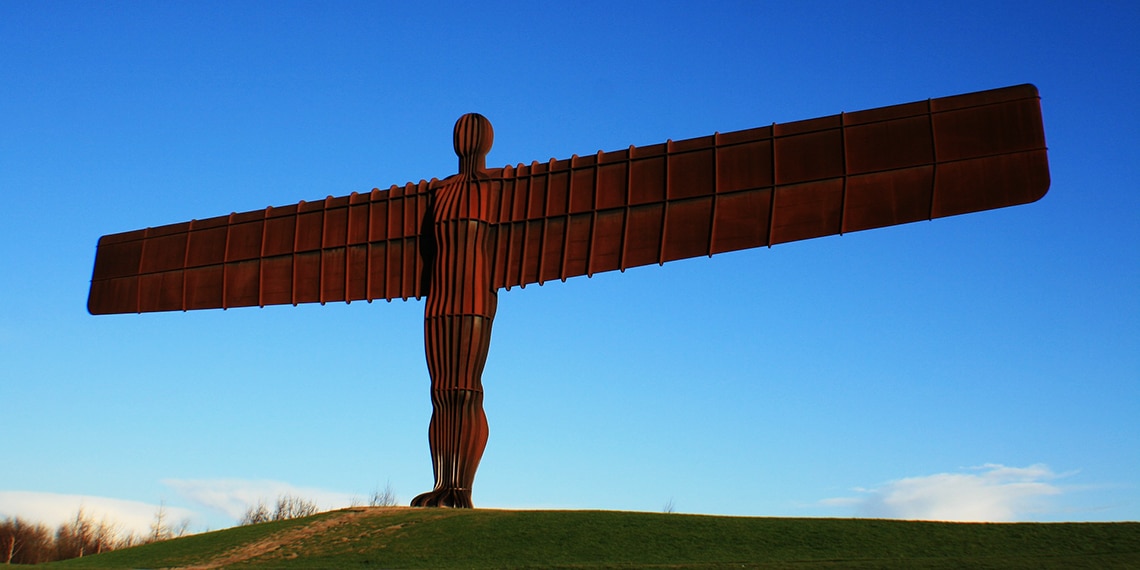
[460,240]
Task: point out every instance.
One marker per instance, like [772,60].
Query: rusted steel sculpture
[459,240]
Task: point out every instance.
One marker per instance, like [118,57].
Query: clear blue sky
[984,367]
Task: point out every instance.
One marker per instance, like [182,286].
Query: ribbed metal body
[459,240]
[458,315]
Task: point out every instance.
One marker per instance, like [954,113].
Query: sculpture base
[453,498]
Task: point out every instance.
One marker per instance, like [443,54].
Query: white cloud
[232,497]
[989,493]
[228,497]
[53,509]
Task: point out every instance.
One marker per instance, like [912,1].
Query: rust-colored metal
[459,240]
[460,307]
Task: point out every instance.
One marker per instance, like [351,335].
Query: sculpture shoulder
[436,183]
[490,175]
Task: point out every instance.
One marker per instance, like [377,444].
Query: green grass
[443,538]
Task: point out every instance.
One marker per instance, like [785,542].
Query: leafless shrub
[385,498]
[291,507]
[181,529]
[255,514]
[287,507]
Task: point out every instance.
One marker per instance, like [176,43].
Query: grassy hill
[445,538]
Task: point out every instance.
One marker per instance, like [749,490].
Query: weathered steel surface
[605,211]
[458,314]
[461,239]
[770,185]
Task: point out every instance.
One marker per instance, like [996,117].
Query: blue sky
[983,367]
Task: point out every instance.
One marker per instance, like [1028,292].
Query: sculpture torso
[460,282]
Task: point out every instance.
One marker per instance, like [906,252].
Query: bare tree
[26,543]
[75,538]
[158,529]
[11,530]
[106,536]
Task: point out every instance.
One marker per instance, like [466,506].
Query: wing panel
[242,280]
[119,259]
[744,166]
[988,183]
[530,268]
[202,288]
[692,173]
[785,182]
[243,241]
[333,273]
[605,247]
[642,238]
[361,246]
[1009,126]
[887,198]
[688,225]
[378,270]
[356,273]
[394,261]
[307,277]
[276,280]
[358,219]
[310,224]
[553,259]
[536,195]
[805,211]
[164,254]
[578,235]
[805,157]
[888,145]
[335,227]
[279,231]
[612,184]
[558,193]
[647,180]
[160,291]
[741,220]
[207,245]
[582,188]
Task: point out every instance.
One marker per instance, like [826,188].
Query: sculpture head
[472,138]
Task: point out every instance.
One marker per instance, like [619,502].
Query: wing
[362,246]
[770,185]
[612,210]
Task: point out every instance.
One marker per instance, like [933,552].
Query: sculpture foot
[446,497]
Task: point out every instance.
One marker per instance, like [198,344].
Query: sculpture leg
[457,349]
[458,436]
